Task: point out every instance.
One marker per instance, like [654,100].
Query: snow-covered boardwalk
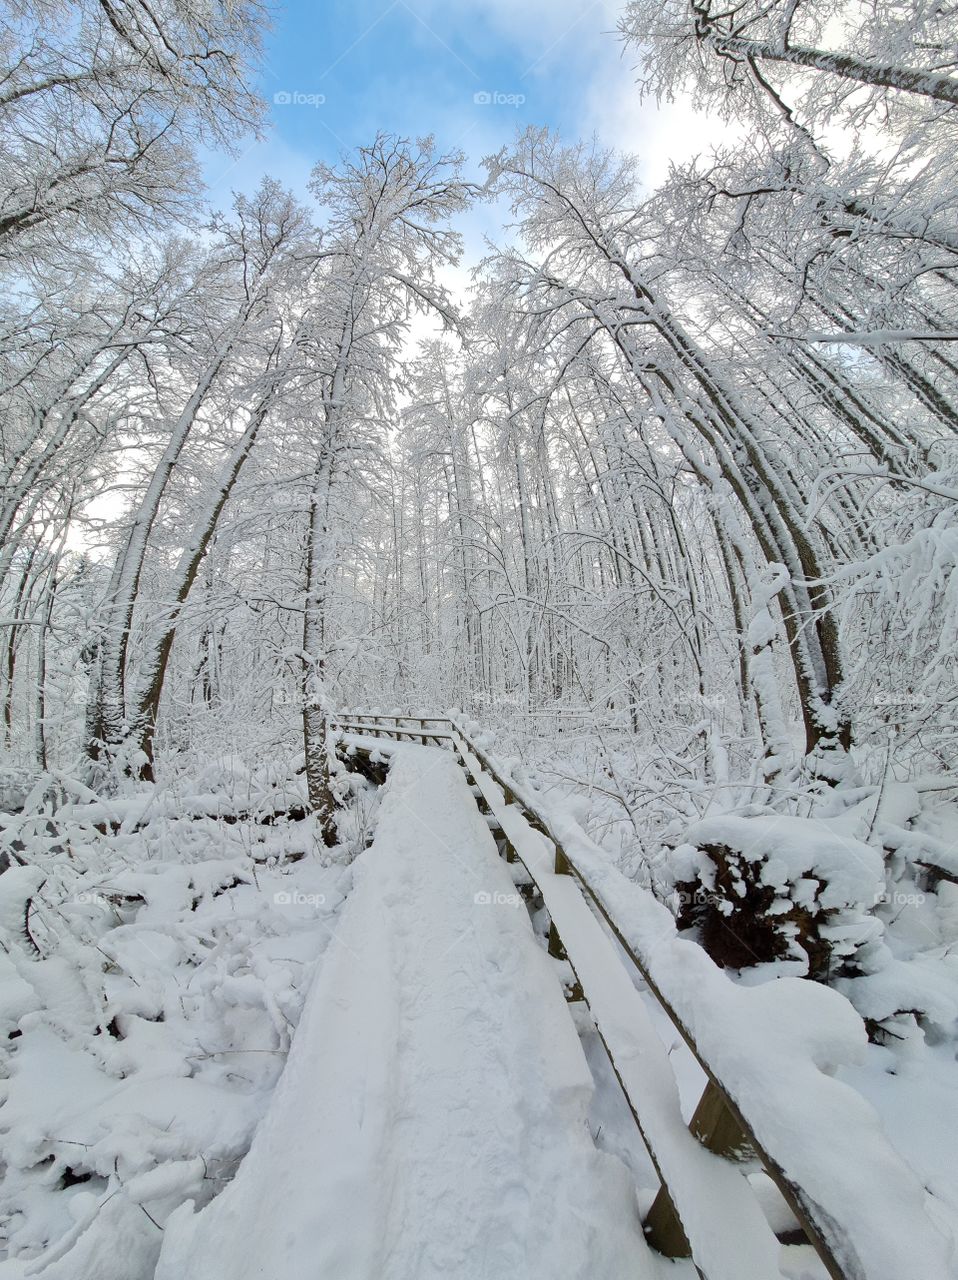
[431,1120]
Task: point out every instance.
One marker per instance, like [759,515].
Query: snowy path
[431,1120]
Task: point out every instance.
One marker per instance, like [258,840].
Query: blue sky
[467,71]
[412,66]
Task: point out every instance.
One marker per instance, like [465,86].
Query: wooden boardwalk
[766,1098]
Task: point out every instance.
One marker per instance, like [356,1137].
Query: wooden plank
[707,1191]
[828,1226]
[378,731]
[807,1212]
[714,1125]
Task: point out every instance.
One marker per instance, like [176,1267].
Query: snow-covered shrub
[154,958]
[776,887]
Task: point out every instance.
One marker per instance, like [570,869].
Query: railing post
[718,1131]
[558,952]
[556,949]
[717,1128]
[663,1228]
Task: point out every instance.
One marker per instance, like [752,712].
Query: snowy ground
[432,1120]
[436,1115]
[141,1042]
[911,990]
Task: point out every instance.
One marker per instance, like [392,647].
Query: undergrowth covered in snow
[155,958]
[855,887]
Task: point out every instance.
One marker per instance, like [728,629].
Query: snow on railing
[769,1053]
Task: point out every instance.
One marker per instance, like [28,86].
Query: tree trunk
[316,708]
[846,65]
[154,666]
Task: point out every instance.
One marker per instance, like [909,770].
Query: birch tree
[385,239]
[100,104]
[578,210]
[247,268]
[909,48]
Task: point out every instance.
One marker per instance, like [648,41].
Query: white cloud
[609,103]
[659,134]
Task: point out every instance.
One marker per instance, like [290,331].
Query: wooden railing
[705,1208]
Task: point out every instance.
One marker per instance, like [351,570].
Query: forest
[660,505]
